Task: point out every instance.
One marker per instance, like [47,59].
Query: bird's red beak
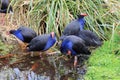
[83,14]
[69,52]
[52,34]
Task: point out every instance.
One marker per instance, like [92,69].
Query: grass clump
[53,15]
[4,48]
[104,63]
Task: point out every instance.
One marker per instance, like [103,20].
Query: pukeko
[74,26]
[73,45]
[23,34]
[90,38]
[5,8]
[42,43]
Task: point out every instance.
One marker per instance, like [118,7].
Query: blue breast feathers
[18,35]
[82,23]
[51,41]
[67,45]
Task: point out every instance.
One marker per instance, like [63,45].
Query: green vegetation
[4,48]
[53,15]
[104,63]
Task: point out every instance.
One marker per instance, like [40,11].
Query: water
[54,67]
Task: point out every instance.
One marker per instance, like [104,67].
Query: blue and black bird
[42,42]
[73,45]
[23,35]
[75,26]
[76,40]
[5,7]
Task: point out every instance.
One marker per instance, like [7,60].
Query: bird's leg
[75,58]
[31,54]
[2,19]
[41,57]
[40,54]
[75,61]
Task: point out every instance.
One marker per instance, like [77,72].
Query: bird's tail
[98,43]
[87,51]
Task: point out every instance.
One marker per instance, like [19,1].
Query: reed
[53,15]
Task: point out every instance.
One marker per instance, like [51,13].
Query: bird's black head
[12,31]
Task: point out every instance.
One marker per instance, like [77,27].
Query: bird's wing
[80,48]
[27,32]
[90,37]
[38,43]
[78,45]
[72,28]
